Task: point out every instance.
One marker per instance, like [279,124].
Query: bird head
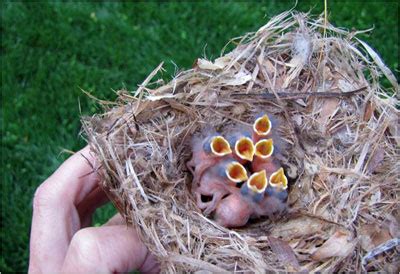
[244,148]
[233,211]
[230,170]
[236,172]
[217,146]
[262,125]
[278,179]
[258,182]
[240,140]
[264,148]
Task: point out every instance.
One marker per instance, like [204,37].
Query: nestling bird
[242,144]
[278,184]
[261,127]
[218,181]
[263,160]
[270,207]
[255,186]
[220,165]
[274,201]
[207,150]
[265,126]
[233,211]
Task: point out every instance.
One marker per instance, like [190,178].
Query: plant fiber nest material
[341,130]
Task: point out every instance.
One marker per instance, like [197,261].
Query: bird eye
[278,179]
[262,126]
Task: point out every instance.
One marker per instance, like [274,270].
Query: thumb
[108,249]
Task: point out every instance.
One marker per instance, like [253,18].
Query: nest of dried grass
[342,131]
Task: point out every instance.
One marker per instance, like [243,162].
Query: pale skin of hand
[61,240]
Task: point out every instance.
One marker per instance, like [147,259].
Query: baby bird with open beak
[217,182]
[222,184]
[274,203]
[263,160]
[236,209]
[255,186]
[278,184]
[262,127]
[207,151]
[242,145]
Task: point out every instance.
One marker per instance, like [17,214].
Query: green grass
[50,51]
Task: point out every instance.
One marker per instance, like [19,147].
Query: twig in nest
[302,95]
[380,249]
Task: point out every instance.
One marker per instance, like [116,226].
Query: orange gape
[239,178]
[206,152]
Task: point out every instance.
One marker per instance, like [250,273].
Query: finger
[55,218]
[117,219]
[88,206]
[75,178]
[108,249]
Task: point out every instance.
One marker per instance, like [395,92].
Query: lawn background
[51,50]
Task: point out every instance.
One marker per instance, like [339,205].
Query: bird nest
[341,133]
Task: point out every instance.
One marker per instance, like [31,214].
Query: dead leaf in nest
[376,160]
[285,253]
[269,66]
[394,129]
[338,245]
[386,71]
[371,235]
[297,227]
[238,79]
[298,119]
[239,109]
[311,169]
[328,109]
[393,222]
[223,61]
[205,64]
[375,198]
[368,111]
[345,86]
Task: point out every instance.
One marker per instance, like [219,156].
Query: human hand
[61,240]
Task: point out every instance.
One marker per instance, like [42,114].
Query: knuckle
[41,196]
[84,248]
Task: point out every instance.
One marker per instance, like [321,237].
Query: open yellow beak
[220,146]
[258,182]
[264,148]
[236,172]
[244,148]
[262,126]
[278,179]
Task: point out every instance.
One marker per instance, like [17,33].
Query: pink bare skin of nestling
[230,204]
[201,160]
[270,165]
[212,185]
[236,210]
[233,211]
